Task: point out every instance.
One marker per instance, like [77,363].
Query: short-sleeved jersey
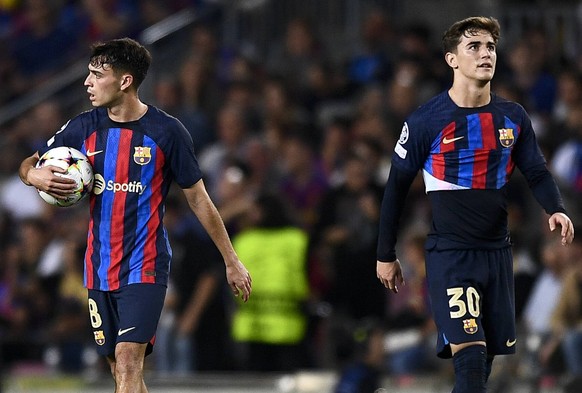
[467,156]
[134,165]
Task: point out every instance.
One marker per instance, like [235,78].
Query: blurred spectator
[345,239]
[567,161]
[274,325]
[32,303]
[371,63]
[112,18]
[294,56]
[363,372]
[541,305]
[69,330]
[16,200]
[334,149]
[36,41]
[528,69]
[193,333]
[409,325]
[278,104]
[236,196]
[569,94]
[303,182]
[169,95]
[567,321]
[232,132]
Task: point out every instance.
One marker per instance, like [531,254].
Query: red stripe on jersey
[118,209]
[438,166]
[89,282]
[509,168]
[488,131]
[479,179]
[90,144]
[150,249]
[448,133]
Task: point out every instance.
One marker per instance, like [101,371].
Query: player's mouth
[485,65]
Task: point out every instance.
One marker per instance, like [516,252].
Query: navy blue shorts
[129,314]
[472,298]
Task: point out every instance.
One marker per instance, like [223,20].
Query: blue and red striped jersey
[134,165]
[467,156]
[467,148]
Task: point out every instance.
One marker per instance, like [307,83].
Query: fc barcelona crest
[142,155]
[506,137]
[99,337]
[470,326]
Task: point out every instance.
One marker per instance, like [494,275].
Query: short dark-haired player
[467,142]
[137,151]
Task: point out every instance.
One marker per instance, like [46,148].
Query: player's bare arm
[45,178]
[390,274]
[237,275]
[567,228]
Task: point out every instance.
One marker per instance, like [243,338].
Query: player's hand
[390,274]
[47,179]
[564,221]
[239,280]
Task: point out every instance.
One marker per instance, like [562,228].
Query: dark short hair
[122,55]
[469,27]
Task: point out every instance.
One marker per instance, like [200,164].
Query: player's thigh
[104,321]
[139,307]
[129,314]
[499,304]
[457,279]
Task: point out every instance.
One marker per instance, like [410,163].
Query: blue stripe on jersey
[143,214]
[505,155]
[474,131]
[109,169]
[466,160]
[466,157]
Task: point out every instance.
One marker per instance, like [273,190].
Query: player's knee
[458,347]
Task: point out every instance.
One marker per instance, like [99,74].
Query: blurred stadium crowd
[295,149]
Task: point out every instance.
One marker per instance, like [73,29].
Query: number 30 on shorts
[460,307]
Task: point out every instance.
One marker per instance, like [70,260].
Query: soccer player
[136,151]
[467,141]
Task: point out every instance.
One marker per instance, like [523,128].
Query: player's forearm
[397,187]
[545,190]
[26,165]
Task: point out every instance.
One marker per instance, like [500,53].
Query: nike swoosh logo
[123,331]
[446,141]
[92,153]
[510,343]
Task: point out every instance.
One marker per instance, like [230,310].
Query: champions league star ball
[78,168]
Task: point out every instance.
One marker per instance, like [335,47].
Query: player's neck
[470,95]
[129,110]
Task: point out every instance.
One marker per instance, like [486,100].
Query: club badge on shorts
[470,326]
[99,337]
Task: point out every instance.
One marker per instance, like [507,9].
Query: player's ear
[126,81]
[451,60]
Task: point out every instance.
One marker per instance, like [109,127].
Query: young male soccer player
[468,141]
[136,151]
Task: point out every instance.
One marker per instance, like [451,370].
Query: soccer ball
[78,168]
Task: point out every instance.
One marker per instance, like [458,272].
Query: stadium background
[360,66]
